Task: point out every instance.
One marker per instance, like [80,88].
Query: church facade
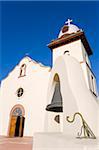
[37,98]
[23,99]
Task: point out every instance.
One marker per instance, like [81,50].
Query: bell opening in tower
[56,102]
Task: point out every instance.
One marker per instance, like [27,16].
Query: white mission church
[37,98]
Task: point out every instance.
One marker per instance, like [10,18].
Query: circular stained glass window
[20,92]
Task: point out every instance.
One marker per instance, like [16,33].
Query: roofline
[71,38]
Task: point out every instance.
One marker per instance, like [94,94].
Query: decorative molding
[71,38]
[85,132]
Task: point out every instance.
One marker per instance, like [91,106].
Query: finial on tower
[68,22]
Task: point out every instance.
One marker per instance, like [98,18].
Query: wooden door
[12,126]
[16,126]
[21,127]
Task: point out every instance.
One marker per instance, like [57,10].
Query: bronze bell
[56,104]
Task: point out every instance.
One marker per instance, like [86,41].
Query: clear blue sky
[27,27]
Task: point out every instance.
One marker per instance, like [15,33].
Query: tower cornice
[65,39]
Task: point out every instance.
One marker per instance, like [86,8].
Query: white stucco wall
[74,48]
[35,85]
[85,55]
[76,97]
[85,72]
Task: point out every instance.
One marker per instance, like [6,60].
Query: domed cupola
[68,29]
[71,39]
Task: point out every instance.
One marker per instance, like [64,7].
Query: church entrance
[17,121]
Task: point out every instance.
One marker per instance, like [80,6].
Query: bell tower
[72,41]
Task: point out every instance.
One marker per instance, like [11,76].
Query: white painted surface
[75,94]
[35,85]
[76,98]
[85,55]
[74,49]
[59,141]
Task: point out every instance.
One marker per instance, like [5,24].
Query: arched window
[66,52]
[22,70]
[17,112]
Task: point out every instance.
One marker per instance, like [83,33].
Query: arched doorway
[17,121]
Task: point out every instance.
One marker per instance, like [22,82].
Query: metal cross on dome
[68,21]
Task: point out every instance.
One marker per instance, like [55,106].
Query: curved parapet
[76,97]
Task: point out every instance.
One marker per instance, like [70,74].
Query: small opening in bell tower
[66,52]
[56,102]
